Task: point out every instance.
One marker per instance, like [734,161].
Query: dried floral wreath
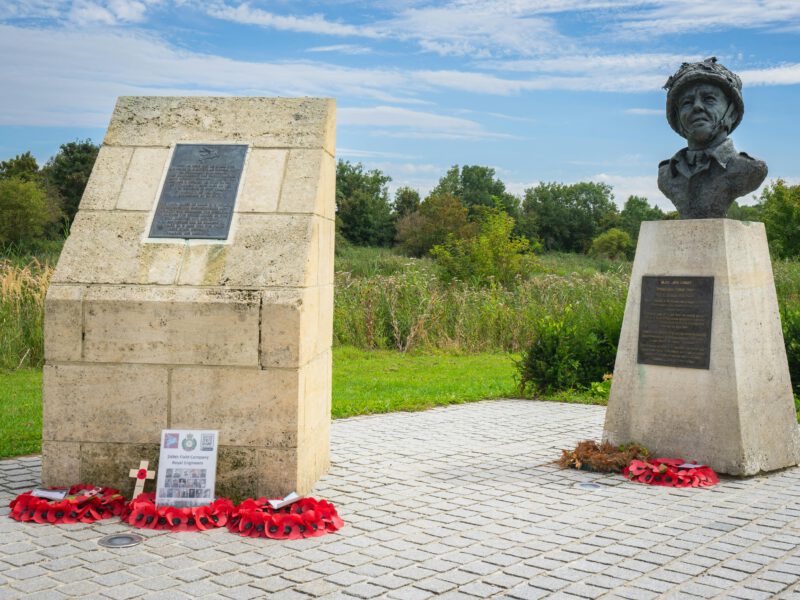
[634,462]
[588,455]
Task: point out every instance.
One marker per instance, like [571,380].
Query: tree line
[39,203]
[468,209]
[554,217]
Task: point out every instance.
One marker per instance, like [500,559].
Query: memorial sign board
[199,192]
[187,467]
[675,321]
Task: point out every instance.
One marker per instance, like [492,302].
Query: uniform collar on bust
[722,153]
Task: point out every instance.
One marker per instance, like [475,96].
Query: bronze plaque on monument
[199,192]
[675,321]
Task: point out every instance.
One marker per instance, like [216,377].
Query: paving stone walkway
[456,502]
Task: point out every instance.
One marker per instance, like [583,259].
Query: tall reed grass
[387,301]
[22,291]
[413,309]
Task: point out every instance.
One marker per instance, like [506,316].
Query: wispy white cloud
[624,186]
[403,122]
[668,17]
[356,153]
[645,111]
[476,29]
[108,12]
[42,85]
[342,49]
[315,23]
[642,62]
[781,75]
[455,29]
[32,9]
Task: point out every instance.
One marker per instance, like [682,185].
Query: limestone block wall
[232,335]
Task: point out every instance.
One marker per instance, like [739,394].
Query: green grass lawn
[379,381]
[20,412]
[364,382]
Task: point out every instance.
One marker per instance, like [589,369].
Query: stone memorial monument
[195,291]
[701,370]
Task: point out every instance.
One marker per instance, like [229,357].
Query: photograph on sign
[187,467]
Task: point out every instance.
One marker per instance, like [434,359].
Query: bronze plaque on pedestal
[199,192]
[675,321]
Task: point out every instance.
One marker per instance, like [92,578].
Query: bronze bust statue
[704,105]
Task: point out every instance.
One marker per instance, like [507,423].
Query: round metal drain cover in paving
[121,540]
[588,486]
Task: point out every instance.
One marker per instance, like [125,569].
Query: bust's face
[700,108]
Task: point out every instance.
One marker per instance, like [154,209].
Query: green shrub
[24,211]
[614,244]
[438,217]
[790,319]
[574,349]
[494,254]
[551,363]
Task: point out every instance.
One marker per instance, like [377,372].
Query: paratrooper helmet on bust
[707,71]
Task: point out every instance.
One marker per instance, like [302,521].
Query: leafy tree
[363,214]
[493,254]
[68,172]
[567,218]
[22,166]
[781,215]
[742,212]
[635,211]
[438,217]
[614,243]
[24,211]
[476,186]
[406,201]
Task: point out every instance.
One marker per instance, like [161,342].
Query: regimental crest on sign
[187,467]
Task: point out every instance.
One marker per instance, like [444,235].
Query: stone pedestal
[143,335]
[738,415]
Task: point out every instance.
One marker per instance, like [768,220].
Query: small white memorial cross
[141,474]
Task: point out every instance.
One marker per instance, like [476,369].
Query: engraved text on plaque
[199,192]
[675,321]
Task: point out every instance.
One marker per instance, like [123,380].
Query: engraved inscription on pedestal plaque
[199,192]
[675,321]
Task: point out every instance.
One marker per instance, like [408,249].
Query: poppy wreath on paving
[77,507]
[143,513]
[670,472]
[305,518]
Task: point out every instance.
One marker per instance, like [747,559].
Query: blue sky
[541,90]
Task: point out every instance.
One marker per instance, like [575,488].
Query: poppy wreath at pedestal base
[305,518]
[142,512]
[77,507]
[670,472]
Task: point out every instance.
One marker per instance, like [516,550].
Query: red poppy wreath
[84,503]
[305,518]
[670,472]
[142,512]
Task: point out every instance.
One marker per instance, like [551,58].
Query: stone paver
[456,502]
